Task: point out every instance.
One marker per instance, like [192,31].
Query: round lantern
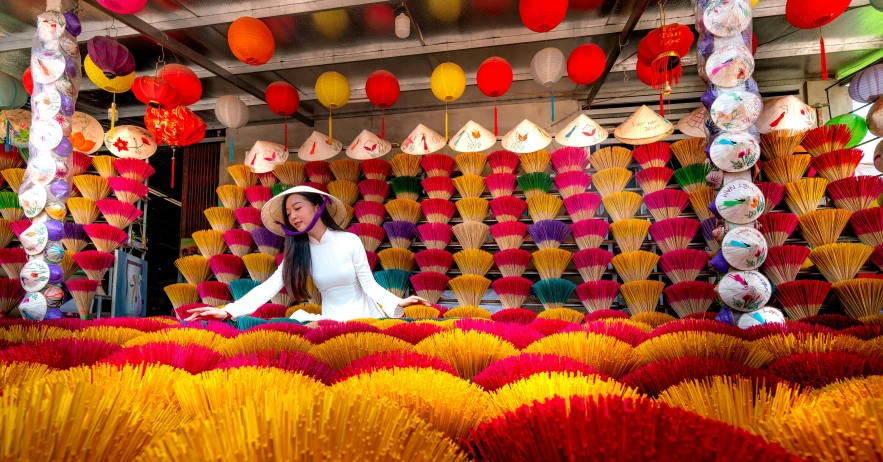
[490,7]
[542,15]
[379,19]
[857,126]
[119,84]
[645,74]
[586,64]
[110,56]
[382,89]
[155,92]
[877,4]
[12,92]
[662,49]
[332,90]
[867,85]
[586,4]
[27,79]
[444,10]
[547,66]
[494,77]
[233,113]
[332,24]
[448,82]
[810,14]
[282,98]
[177,127]
[184,80]
[123,6]
[251,41]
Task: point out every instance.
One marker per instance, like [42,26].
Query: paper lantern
[87,135]
[369,146]
[264,156]
[112,57]
[123,6]
[379,19]
[547,66]
[27,79]
[448,82]
[12,92]
[581,132]
[382,89]
[233,113]
[251,41]
[282,98]
[444,10]
[542,15]
[178,127]
[874,119]
[526,137]
[867,85]
[810,14]
[662,50]
[155,92]
[332,90]
[472,138]
[131,142]
[785,113]
[494,79]
[184,80]
[856,124]
[586,64]
[490,7]
[332,24]
[317,146]
[119,84]
[643,127]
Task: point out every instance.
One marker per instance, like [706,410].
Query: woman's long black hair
[297,250]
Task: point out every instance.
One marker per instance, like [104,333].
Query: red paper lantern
[662,49]
[810,14]
[645,74]
[155,92]
[542,15]
[382,89]
[586,63]
[184,80]
[380,19]
[494,77]
[490,7]
[251,41]
[586,4]
[28,81]
[282,98]
[177,127]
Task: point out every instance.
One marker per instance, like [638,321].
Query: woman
[316,247]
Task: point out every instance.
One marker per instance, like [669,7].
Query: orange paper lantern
[251,41]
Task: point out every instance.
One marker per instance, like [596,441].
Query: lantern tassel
[286,133]
[113,114]
[382,127]
[173,167]
[330,128]
[231,147]
[552,97]
[824,58]
[495,121]
[446,122]
[6,144]
[661,105]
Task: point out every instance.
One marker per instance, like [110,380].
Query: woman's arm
[257,296]
[388,301]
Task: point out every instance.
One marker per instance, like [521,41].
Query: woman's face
[300,211]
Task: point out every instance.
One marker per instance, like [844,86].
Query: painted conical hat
[744,290]
[744,248]
[472,137]
[526,137]
[130,141]
[645,126]
[264,156]
[581,132]
[422,141]
[19,124]
[693,124]
[87,135]
[317,147]
[785,113]
[368,146]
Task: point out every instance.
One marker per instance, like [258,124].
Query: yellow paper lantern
[119,84]
[445,10]
[448,82]
[331,24]
[333,91]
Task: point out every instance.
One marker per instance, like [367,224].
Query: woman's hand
[207,313]
[413,300]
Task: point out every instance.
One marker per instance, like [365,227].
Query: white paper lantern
[547,66]
[231,111]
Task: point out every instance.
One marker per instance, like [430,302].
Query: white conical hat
[785,113]
[744,248]
[472,137]
[526,137]
[693,124]
[645,126]
[744,290]
[264,156]
[422,141]
[368,146]
[317,147]
[581,132]
[130,141]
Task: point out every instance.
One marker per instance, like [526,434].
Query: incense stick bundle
[597,295]
[553,293]
[474,261]
[503,161]
[710,235]
[690,151]
[837,165]
[104,166]
[509,234]
[801,299]
[634,266]
[430,285]
[9,206]
[267,179]
[92,186]
[642,296]
[471,163]
[569,159]
[400,259]
[13,176]
[134,169]
[868,225]
[589,233]
[804,196]
[582,206]
[543,207]
[773,193]
[654,178]
[501,184]
[622,205]
[784,261]
[611,180]
[826,139]
[80,162]
[653,155]
[370,212]
[776,227]
[508,208]
[512,291]
[472,208]
[856,193]
[434,165]
[436,187]
[667,203]
[118,213]
[573,182]
[690,297]
[532,184]
[630,234]
[435,235]
[345,169]
[683,264]
[512,262]
[194,268]
[12,260]
[692,177]
[821,227]
[319,171]
[372,169]
[860,297]
[75,238]
[841,261]
[348,191]
[434,260]
[674,233]
[404,210]
[780,143]
[127,189]
[469,185]
[438,210]
[471,234]
[239,241]
[400,233]
[222,219]
[85,211]
[549,234]
[533,162]
[209,242]
[244,177]
[700,199]
[611,157]
[787,169]
[469,289]
[551,262]
[592,263]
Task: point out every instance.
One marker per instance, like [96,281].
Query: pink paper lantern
[123,6]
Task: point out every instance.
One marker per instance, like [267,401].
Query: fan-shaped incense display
[106,238]
[856,193]
[221,218]
[370,212]
[287,172]
[104,165]
[690,151]
[622,205]
[780,143]
[318,171]
[689,297]
[837,165]
[404,210]
[860,297]
[572,182]
[821,227]
[471,234]
[777,227]
[682,265]
[667,203]
[472,209]
[630,234]
[700,199]
[611,157]
[533,184]
[784,170]
[92,186]
[249,218]
[633,266]
[803,298]
[194,268]
[841,261]
[503,161]
[784,261]
[674,233]
[118,213]
[14,177]
[826,139]
[400,233]
[435,235]
[654,178]
[404,187]
[469,288]
[471,163]
[551,262]
[260,266]
[127,189]
[374,169]
[429,285]
[469,185]
[611,180]
[437,165]
[474,261]
[209,242]
[378,190]
[582,206]
[405,165]
[589,233]
[134,169]
[434,260]
[692,177]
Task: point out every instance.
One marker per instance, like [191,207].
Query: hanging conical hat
[87,135]
[645,126]
[581,132]
[19,121]
[526,137]
[130,141]
[368,146]
[264,156]
[693,124]
[472,137]
[422,141]
[317,147]
[786,113]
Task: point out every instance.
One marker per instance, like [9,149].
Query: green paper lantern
[856,124]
